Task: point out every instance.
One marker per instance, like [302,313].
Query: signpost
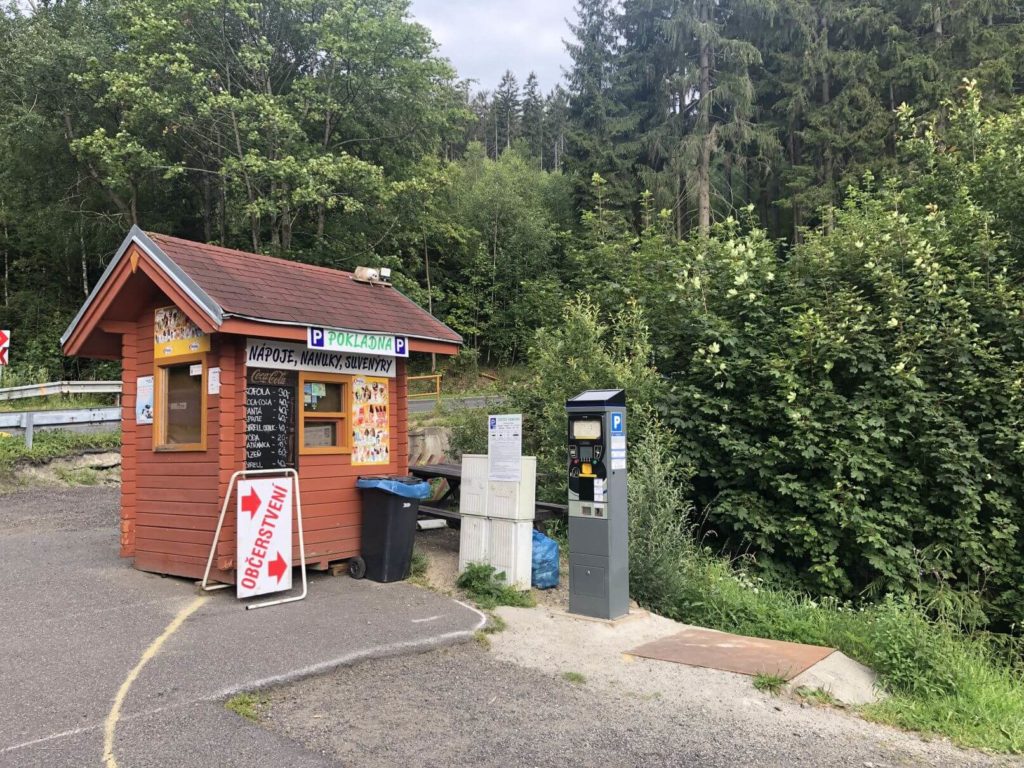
[333,340]
[5,345]
[264,538]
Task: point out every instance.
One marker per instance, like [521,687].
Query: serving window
[324,417]
[179,422]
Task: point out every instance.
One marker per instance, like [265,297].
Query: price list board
[270,418]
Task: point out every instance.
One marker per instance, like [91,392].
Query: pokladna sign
[264,553]
[333,340]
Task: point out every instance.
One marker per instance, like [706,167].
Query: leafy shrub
[581,353]
[940,680]
[488,588]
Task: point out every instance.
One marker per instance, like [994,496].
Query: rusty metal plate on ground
[734,653]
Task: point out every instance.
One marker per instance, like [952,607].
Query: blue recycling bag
[407,487]
[545,561]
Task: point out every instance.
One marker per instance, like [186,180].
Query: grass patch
[57,403]
[82,476]
[489,590]
[418,566]
[818,696]
[576,678]
[767,683]
[53,444]
[941,680]
[494,624]
[482,639]
[248,705]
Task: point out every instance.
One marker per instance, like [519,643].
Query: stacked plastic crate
[497,519]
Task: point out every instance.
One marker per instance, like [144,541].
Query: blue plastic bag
[545,561]
[409,488]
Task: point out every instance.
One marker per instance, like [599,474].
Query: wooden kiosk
[232,360]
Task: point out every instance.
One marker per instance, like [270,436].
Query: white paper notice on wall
[618,464]
[144,400]
[195,370]
[213,381]
[505,447]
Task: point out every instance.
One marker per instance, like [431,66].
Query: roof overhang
[139,252]
[165,273]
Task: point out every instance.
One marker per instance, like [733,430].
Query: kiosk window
[323,424]
[180,423]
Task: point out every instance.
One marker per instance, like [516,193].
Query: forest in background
[791,228]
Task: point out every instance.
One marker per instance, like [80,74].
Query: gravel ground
[55,508]
[462,706]
[509,705]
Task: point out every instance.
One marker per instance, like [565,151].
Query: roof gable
[224,283]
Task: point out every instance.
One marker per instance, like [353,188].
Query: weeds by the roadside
[940,679]
[247,705]
[767,683]
[487,587]
[53,444]
[576,678]
[817,696]
[418,566]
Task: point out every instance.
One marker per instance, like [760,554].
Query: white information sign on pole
[505,447]
[264,537]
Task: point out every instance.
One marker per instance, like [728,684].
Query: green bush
[940,679]
[582,352]
[488,588]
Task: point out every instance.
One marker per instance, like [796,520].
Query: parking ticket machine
[598,518]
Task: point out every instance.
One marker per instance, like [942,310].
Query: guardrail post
[28,424]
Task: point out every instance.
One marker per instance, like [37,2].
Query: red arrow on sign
[3,355]
[277,567]
[251,503]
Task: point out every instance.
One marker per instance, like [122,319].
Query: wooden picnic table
[447,506]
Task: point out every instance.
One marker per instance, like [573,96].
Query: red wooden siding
[170,501]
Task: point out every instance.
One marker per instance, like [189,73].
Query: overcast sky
[483,38]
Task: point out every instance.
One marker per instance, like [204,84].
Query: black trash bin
[390,505]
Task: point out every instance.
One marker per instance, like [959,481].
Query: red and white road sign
[5,345]
[264,553]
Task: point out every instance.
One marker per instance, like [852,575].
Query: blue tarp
[545,561]
[407,487]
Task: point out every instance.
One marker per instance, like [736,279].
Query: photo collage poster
[371,441]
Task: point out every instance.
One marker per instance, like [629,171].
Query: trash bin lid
[407,487]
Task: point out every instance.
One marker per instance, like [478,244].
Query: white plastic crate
[485,498]
[507,545]
[497,520]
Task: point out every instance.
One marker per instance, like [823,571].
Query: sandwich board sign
[264,536]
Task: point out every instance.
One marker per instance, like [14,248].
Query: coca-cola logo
[273,378]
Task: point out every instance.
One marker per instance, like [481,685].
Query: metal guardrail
[77,419]
[61,388]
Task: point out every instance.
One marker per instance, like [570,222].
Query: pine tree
[556,121]
[712,98]
[533,118]
[507,112]
[593,112]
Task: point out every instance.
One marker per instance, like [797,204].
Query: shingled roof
[227,284]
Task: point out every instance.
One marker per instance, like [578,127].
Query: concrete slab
[699,647]
[77,619]
[847,680]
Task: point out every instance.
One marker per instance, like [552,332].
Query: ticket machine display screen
[586,430]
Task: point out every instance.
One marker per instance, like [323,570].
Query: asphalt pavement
[76,619]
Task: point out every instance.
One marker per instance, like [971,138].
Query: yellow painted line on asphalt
[115,712]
